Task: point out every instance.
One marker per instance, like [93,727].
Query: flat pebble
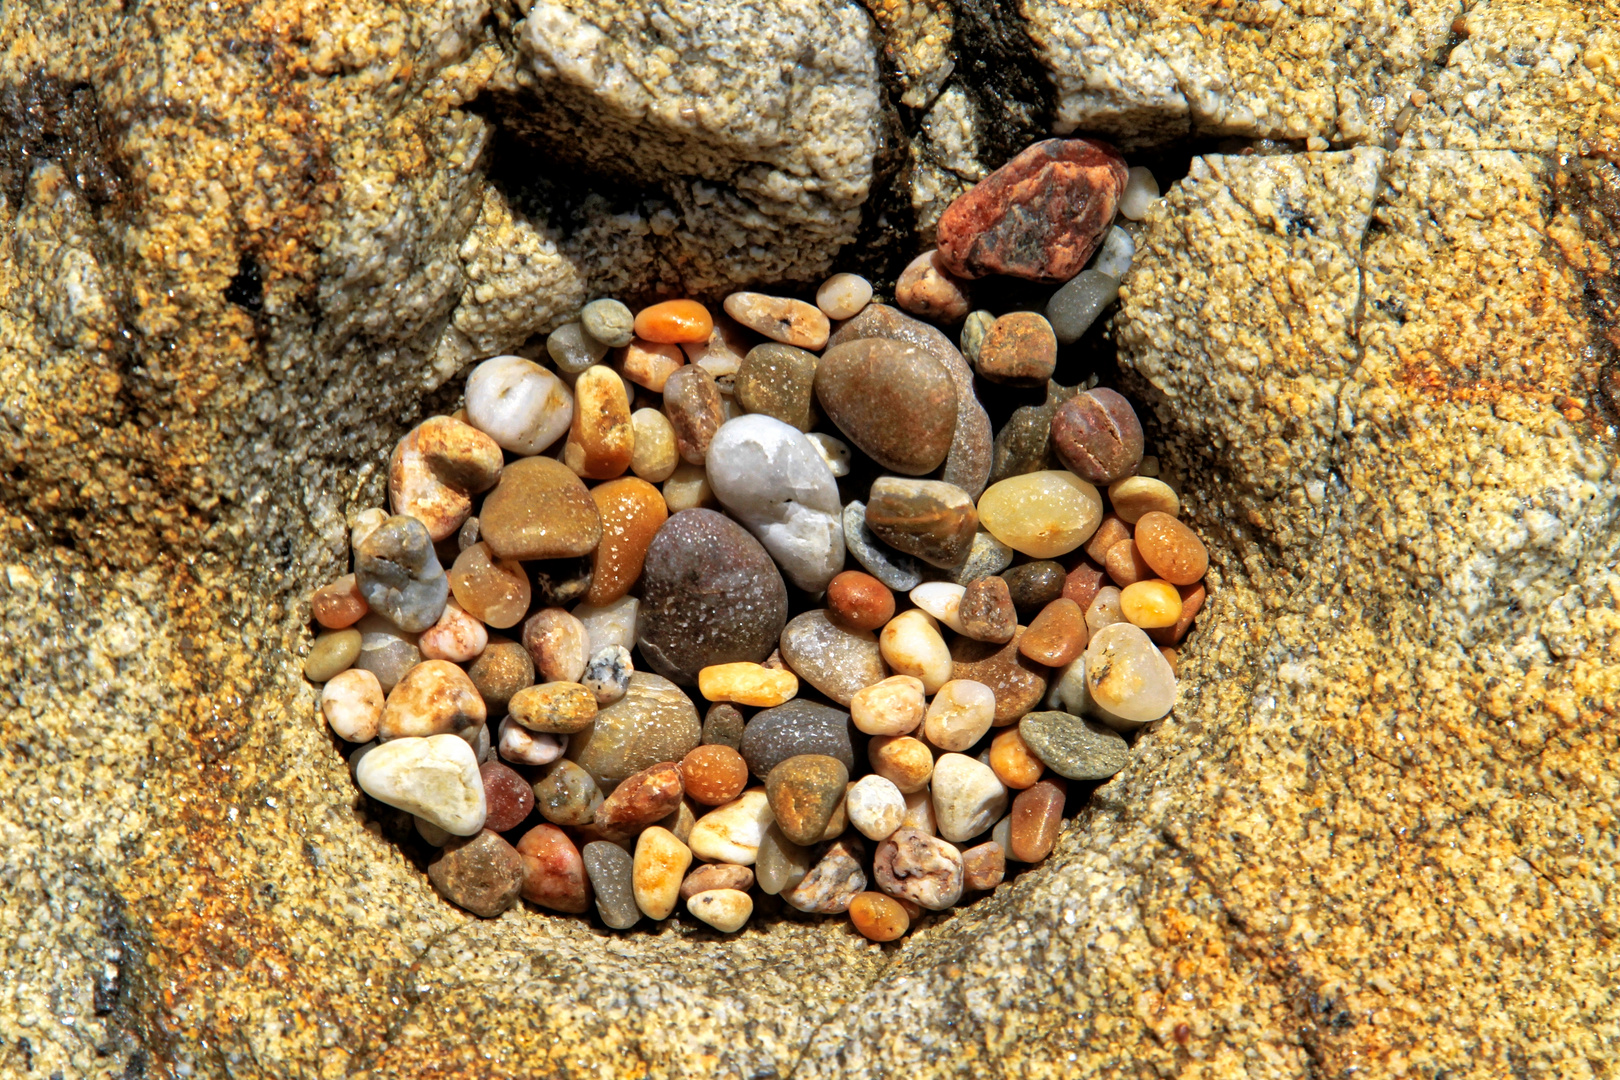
[1097,436]
[434,697]
[385,650]
[1014,763]
[631,511]
[835,452]
[717,876]
[799,727]
[927,289]
[723,726]
[727,910]
[968,797]
[905,762]
[1074,746]
[331,654]
[1173,550]
[780,318]
[747,684]
[1042,514]
[930,519]
[778,380]
[1057,635]
[609,322]
[1037,815]
[519,404]
[859,601]
[804,791]
[352,703]
[521,746]
[674,321]
[1129,680]
[986,612]
[714,774]
[1141,192]
[1073,308]
[457,636]
[895,706]
[649,364]
[893,569]
[434,778]
[914,866]
[607,673]
[539,510]
[339,605]
[553,871]
[842,296]
[960,714]
[657,869]
[655,454]
[508,797]
[832,882]
[692,401]
[732,833]
[1019,348]
[612,873]
[572,349]
[600,439]
[483,874]
[835,659]
[400,576]
[911,645]
[876,807]
[567,795]
[1017,682]
[654,722]
[891,399]
[491,590]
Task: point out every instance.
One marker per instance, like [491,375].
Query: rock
[1020,348]
[1043,514]
[656,453]
[926,288]
[723,726]
[799,727]
[600,439]
[1014,763]
[482,873]
[891,399]
[558,708]
[573,350]
[459,454]
[834,659]
[968,797]
[1037,815]
[717,876]
[1141,192]
[1036,584]
[942,600]
[1129,680]
[1151,605]
[1174,551]
[456,637]
[987,556]
[804,791]
[780,318]
[558,643]
[433,698]
[507,797]
[876,807]
[878,917]
[609,624]
[895,706]
[714,774]
[1018,682]
[911,865]
[835,452]
[612,874]
[339,605]
[859,601]
[654,722]
[331,654]
[674,321]
[693,404]
[560,582]
[893,569]
[607,673]
[930,519]
[643,798]
[519,404]
[842,296]
[524,747]
[779,380]
[1040,216]
[959,715]
[435,778]
[905,762]
[500,671]
[659,864]
[553,871]
[987,612]
[1135,496]
[747,684]
[539,510]
[415,490]
[386,651]
[609,322]
[1097,436]
[911,645]
[974,329]
[984,866]
[399,574]
[493,591]
[1075,307]
[567,795]
[833,882]
[1057,635]
[352,703]
[727,910]
[732,833]
[1114,257]
[1074,746]
[773,481]
[631,512]
[781,864]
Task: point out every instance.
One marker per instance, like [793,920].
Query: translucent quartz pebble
[1073,308]
[1141,191]
[1117,251]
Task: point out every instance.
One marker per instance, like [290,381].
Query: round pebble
[609,322]
[674,321]
[493,591]
[859,601]
[1173,550]
[727,910]
[842,296]
[780,318]
[715,774]
[895,706]
[352,703]
[1043,514]
[519,404]
[331,654]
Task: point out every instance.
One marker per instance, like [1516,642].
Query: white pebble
[352,702]
[842,296]
[1117,251]
[518,403]
[434,778]
[875,807]
[524,747]
[911,645]
[835,452]
[1141,192]
[960,714]
[942,600]
[968,797]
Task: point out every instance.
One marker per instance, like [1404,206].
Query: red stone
[1040,216]
[507,795]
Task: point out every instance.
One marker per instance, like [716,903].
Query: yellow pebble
[1150,604]
[753,684]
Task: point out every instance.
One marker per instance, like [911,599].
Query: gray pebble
[612,870]
[399,574]
[799,727]
[1073,308]
[607,673]
[898,571]
[1073,746]
[609,322]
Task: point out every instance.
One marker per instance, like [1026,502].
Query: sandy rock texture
[242,252]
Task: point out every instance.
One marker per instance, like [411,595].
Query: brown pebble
[1125,564]
[1057,635]
[1084,582]
[1192,601]
[986,611]
[1110,531]
[878,917]
[1011,759]
[928,290]
[642,798]
[632,512]
[559,708]
[553,872]
[1018,682]
[714,774]
[500,671]
[601,438]
[983,867]
[780,318]
[1173,551]
[1097,436]
[1020,348]
[712,876]
[1034,585]
[508,796]
[339,605]
[481,873]
[493,591]
[804,791]
[1037,815]
[860,601]
[695,409]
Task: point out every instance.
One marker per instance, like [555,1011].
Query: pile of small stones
[1012,617]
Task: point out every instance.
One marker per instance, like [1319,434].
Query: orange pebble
[878,917]
[674,321]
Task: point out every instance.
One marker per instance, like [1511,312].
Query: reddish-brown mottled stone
[1037,814]
[642,798]
[860,600]
[1192,601]
[1040,216]
[508,797]
[1057,635]
[714,775]
[553,872]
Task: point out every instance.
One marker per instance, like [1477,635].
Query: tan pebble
[494,591]
[911,645]
[842,296]
[434,698]
[960,714]
[1041,514]
[688,489]
[339,605]
[332,653]
[1110,531]
[878,917]
[559,644]
[460,454]
[895,706]
[560,708]
[733,832]
[650,363]
[925,288]
[1014,764]
[352,703]
[1173,550]
[727,910]
[1150,604]
[748,684]
[601,439]
[1192,602]
[415,490]
[1037,815]
[456,637]
[905,762]
[1056,635]
[717,876]
[631,511]
[1125,564]
[780,318]
[1137,495]
[1104,610]
[693,403]
[657,870]
[984,866]
[714,774]
[655,455]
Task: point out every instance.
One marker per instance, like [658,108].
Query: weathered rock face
[242,253]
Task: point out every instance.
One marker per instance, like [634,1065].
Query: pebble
[399,574]
[1111,530]
[674,321]
[331,654]
[926,288]
[567,795]
[733,833]
[1135,496]
[553,871]
[773,481]
[1129,680]
[1019,348]
[905,762]
[600,440]
[1041,514]
[607,673]
[968,797]
[842,296]
[657,869]
[715,774]
[780,318]
[1141,192]
[1037,815]
[1083,583]
[500,671]
[1115,255]
[508,797]
[612,873]
[859,601]
[709,595]
[519,404]
[878,917]
[524,747]
[747,684]
[1017,682]
[1073,308]
[632,511]
[490,590]
[560,582]
[895,706]
[339,605]
[835,659]
[693,404]
[1125,565]
[539,510]
[655,454]
[435,778]
[612,623]
[1104,609]
[892,399]
[558,708]
[876,807]
[911,645]
[1034,585]
[1173,550]
[609,322]
[1192,601]
[1074,746]
[799,727]
[386,651]
[987,612]
[1152,605]
[959,715]
[779,380]
[727,910]
[1039,216]
[1015,765]
[649,364]
[930,519]
[833,882]
[835,452]
[984,866]
[352,703]
[711,876]
[912,865]
[654,722]
[559,644]
[433,698]
[1057,635]
[457,636]
[974,329]
[723,726]
[804,791]
[687,489]
[572,349]
[482,873]
[894,570]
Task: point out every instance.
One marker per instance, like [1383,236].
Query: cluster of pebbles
[667,517]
